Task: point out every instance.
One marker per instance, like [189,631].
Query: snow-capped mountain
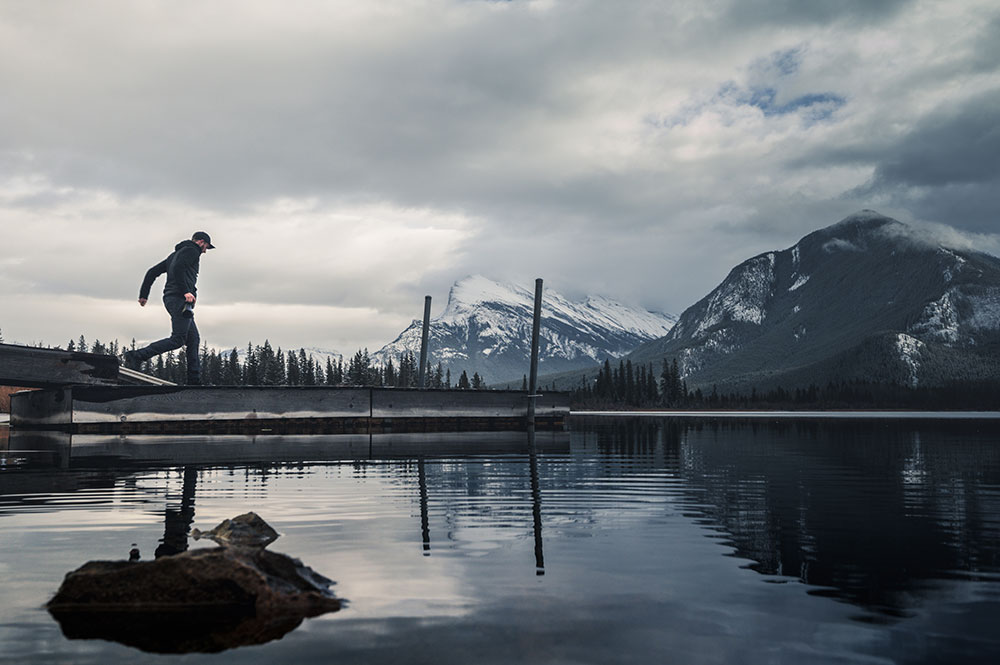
[486,328]
[867,298]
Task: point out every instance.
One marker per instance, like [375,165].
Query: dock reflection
[40,449]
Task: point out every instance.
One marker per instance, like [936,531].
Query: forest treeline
[629,386]
[263,365]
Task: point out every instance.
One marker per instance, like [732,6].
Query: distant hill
[866,298]
[486,329]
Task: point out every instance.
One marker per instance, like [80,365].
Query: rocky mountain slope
[867,298]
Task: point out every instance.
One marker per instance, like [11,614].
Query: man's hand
[189,297]
[142,302]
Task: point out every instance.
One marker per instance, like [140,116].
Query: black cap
[201,235]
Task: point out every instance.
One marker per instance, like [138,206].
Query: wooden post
[533,377]
[423,342]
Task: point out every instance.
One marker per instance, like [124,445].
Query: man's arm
[147,282]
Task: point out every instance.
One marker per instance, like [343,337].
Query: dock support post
[533,376]
[421,373]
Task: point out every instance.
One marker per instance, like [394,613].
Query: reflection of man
[179,296]
[178,521]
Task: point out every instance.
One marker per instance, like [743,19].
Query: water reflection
[889,517]
[867,512]
[425,528]
[47,449]
[536,505]
[177,519]
[179,632]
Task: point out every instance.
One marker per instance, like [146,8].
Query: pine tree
[292,375]
[233,375]
[213,373]
[307,371]
[204,359]
[357,370]
[463,381]
[407,376]
[251,369]
[280,367]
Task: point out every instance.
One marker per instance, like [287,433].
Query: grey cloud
[526,120]
[947,167]
[951,146]
[985,49]
[416,119]
[795,12]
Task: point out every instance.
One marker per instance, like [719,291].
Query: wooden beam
[277,409]
[149,404]
[44,368]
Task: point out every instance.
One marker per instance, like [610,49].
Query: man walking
[179,296]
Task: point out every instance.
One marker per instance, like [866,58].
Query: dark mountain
[867,298]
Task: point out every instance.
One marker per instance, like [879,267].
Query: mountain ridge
[485,328]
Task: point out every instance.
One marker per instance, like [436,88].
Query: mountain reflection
[869,511]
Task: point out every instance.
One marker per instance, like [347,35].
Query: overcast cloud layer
[349,158]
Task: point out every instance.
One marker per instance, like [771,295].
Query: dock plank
[279,410]
[42,368]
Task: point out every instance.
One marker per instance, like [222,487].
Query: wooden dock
[93,409]
[86,393]
[33,367]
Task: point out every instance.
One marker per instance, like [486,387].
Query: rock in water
[198,600]
[247,530]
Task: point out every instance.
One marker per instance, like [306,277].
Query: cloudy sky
[350,157]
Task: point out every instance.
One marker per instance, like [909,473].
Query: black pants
[183,332]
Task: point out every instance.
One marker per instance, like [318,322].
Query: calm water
[641,540]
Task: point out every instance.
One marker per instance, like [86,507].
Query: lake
[624,540]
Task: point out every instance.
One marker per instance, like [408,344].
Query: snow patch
[985,310]
[956,267]
[939,320]
[799,282]
[909,352]
[743,296]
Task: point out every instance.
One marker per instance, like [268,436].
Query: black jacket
[181,268]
